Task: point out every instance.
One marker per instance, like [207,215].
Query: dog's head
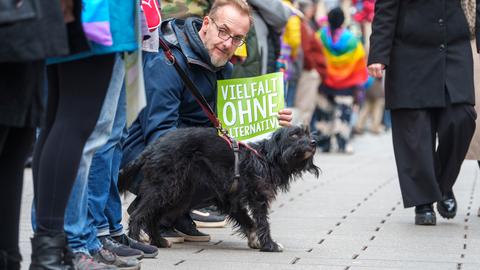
[292,148]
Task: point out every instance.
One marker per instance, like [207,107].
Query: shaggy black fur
[191,166]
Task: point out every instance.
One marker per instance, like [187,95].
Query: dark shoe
[120,249]
[186,228]
[10,260]
[109,258]
[48,252]
[208,218]
[84,261]
[149,251]
[171,236]
[424,215]
[447,207]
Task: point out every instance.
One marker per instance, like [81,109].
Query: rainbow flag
[345,59]
[96,21]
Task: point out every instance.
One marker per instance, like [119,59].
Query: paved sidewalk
[351,218]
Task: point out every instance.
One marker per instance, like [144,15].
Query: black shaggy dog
[191,166]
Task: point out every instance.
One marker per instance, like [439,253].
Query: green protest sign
[248,107]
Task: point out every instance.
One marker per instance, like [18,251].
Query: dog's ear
[272,147]
[306,129]
[313,169]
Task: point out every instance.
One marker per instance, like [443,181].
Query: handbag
[12,11]
[468,7]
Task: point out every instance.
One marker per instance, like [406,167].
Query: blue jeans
[291,91]
[80,233]
[104,203]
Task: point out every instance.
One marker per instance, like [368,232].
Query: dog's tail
[128,175]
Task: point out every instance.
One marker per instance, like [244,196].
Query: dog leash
[200,99]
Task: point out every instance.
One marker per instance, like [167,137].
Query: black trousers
[15,144]
[426,170]
[76,91]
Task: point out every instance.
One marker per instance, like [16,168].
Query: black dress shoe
[447,206]
[424,215]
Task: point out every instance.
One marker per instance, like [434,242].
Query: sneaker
[186,228]
[120,249]
[208,218]
[149,251]
[83,261]
[171,235]
[105,256]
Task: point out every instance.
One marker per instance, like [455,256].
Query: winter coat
[313,57]
[474,149]
[426,49]
[182,9]
[121,21]
[41,36]
[268,16]
[170,104]
[25,43]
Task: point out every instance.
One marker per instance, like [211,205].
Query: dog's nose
[313,143]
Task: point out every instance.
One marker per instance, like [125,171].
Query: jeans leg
[100,172]
[113,209]
[76,225]
[105,203]
[291,92]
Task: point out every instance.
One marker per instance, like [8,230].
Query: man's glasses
[224,35]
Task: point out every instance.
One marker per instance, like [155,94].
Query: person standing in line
[77,86]
[429,90]
[27,40]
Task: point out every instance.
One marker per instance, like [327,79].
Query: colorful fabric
[95,21]
[121,18]
[345,59]
[364,10]
[290,42]
[151,11]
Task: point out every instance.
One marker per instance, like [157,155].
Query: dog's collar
[230,141]
[235,145]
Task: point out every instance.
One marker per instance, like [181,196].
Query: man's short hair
[240,5]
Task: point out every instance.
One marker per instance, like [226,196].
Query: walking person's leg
[414,134]
[378,108]
[456,125]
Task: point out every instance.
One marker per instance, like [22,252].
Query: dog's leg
[260,214]
[156,239]
[143,217]
[246,226]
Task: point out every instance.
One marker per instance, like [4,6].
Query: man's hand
[375,70]
[285,117]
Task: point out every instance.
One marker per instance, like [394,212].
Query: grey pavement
[350,218]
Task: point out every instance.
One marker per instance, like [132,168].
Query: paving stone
[319,230]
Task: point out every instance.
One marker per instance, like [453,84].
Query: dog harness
[200,99]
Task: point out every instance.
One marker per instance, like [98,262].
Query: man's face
[222,33]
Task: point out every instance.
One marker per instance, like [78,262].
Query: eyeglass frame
[242,40]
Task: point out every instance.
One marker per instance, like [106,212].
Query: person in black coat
[30,32]
[424,47]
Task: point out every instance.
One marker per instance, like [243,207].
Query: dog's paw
[253,241]
[161,243]
[272,247]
